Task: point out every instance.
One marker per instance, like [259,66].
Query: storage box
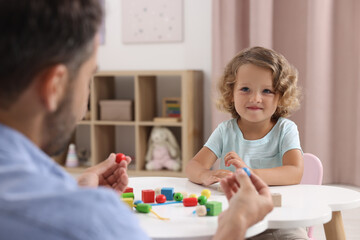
[116,110]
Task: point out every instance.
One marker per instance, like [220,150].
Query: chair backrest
[313,170]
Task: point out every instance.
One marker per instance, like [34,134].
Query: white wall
[193,53]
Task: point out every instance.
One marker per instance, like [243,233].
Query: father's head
[47,57]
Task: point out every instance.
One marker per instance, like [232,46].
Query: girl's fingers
[236,163]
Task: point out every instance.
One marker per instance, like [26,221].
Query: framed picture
[145,21]
[171,107]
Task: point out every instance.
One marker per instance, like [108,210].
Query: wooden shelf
[118,123]
[146,90]
[150,123]
[84,122]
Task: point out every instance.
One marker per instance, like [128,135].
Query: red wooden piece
[120,157]
[128,189]
[190,202]
[148,196]
[160,198]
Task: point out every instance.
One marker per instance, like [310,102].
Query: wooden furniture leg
[334,230]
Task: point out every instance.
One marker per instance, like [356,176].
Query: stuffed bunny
[163,150]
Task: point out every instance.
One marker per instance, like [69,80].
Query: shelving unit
[146,89]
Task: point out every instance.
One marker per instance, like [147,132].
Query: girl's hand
[215,176]
[231,158]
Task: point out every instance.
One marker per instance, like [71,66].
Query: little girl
[259,89]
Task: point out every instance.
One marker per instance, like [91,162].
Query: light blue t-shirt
[266,152]
[39,200]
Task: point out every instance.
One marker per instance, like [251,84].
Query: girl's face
[253,96]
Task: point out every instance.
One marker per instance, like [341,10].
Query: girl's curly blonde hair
[285,78]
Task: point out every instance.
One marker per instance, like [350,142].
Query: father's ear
[53,82]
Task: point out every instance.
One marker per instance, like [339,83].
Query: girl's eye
[244,89]
[267,91]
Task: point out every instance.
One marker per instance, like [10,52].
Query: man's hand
[249,202]
[107,173]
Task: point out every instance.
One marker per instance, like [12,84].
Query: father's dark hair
[37,34]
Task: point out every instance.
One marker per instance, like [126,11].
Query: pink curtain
[321,38]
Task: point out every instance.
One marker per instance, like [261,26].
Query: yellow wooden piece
[128,201]
[206,193]
[193,195]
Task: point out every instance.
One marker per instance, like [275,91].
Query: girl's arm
[290,173]
[198,168]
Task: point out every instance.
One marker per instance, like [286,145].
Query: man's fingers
[128,159]
[226,188]
[88,180]
[110,166]
[260,186]
[243,179]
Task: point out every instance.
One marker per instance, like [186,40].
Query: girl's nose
[255,98]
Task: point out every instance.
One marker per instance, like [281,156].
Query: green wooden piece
[143,207]
[202,200]
[214,208]
[128,195]
[178,197]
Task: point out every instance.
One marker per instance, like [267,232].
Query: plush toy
[163,150]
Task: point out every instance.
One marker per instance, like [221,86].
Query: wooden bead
[157,191]
[201,210]
[160,198]
[202,200]
[120,157]
[178,197]
[190,202]
[193,195]
[206,193]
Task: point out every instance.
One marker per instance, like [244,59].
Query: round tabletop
[299,208]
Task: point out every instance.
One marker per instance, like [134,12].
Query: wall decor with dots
[145,21]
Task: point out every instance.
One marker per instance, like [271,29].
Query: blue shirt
[39,200]
[266,152]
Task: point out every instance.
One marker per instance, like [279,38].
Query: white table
[336,198]
[303,205]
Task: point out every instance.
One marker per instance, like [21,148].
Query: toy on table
[202,200]
[128,195]
[178,197]
[160,198]
[166,195]
[128,189]
[148,196]
[163,150]
[276,198]
[193,195]
[168,192]
[201,210]
[146,208]
[190,202]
